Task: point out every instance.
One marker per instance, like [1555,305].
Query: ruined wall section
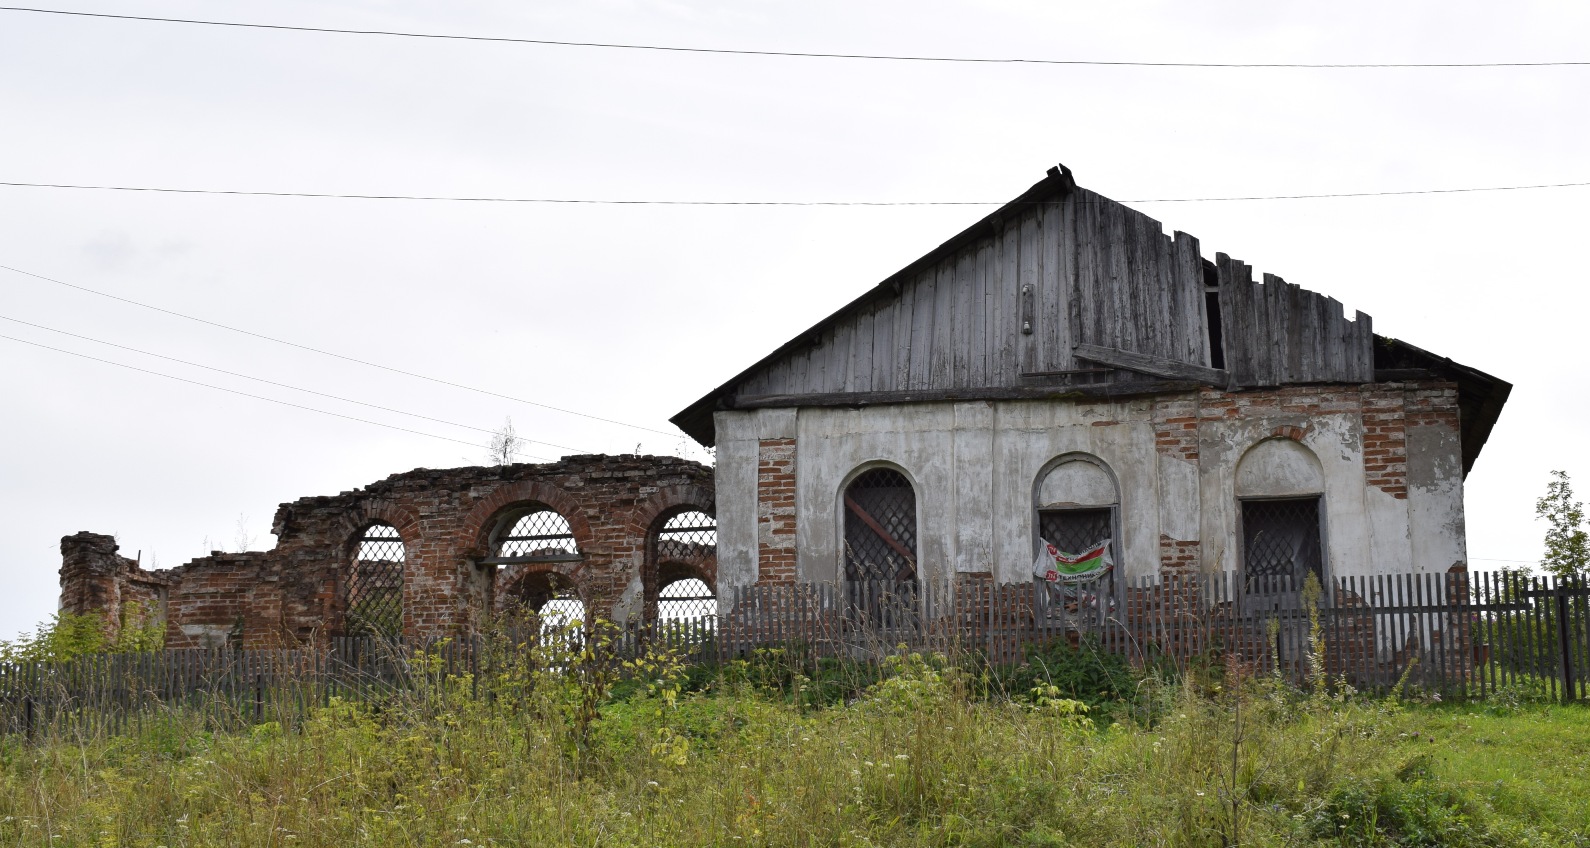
[293,594]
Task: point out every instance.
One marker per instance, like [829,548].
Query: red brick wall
[775,511]
[291,595]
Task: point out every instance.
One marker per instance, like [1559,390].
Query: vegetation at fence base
[66,636]
[569,744]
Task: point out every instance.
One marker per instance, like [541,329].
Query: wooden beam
[888,539]
[1152,365]
[1088,391]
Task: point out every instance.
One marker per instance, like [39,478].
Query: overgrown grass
[777,751]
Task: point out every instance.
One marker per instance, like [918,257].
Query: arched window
[534,534]
[372,594]
[1078,505]
[686,552]
[880,527]
[1280,488]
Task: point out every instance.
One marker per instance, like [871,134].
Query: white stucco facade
[982,469]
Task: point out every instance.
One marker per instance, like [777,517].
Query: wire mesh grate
[539,533]
[689,536]
[880,527]
[1281,539]
[1073,531]
[690,599]
[373,592]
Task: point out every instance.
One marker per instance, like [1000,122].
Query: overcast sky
[631,312]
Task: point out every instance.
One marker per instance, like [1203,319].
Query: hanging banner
[1056,566]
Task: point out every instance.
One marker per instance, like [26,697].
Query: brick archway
[478,524]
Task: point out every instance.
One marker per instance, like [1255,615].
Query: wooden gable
[1060,291]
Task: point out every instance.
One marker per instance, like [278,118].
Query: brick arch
[649,516]
[402,518]
[478,523]
[650,513]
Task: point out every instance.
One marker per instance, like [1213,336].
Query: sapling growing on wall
[505,445]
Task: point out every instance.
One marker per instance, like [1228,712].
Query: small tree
[505,445]
[1567,543]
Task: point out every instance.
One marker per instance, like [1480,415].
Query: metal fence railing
[1459,633]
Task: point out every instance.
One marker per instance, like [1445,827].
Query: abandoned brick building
[430,553]
[1064,371]
[1060,371]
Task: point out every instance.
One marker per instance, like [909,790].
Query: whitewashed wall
[976,467]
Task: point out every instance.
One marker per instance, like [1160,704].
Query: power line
[275,383]
[792,54]
[330,354]
[248,395]
[635,202]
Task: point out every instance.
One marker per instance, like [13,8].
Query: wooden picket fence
[1460,634]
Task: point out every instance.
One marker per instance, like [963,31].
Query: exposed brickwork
[291,595]
[95,578]
[775,511]
[1176,426]
[1177,556]
[1386,439]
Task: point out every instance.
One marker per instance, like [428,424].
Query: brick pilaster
[775,511]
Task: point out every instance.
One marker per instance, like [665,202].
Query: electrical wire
[634,202]
[792,54]
[281,385]
[330,354]
[248,395]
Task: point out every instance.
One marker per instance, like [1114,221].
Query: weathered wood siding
[1277,333]
[1077,270]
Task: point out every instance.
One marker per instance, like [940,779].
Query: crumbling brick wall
[295,593]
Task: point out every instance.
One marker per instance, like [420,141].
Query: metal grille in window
[687,600]
[1281,540]
[373,592]
[688,536]
[880,527]
[540,535]
[1073,531]
[562,611]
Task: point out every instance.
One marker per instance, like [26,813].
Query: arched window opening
[373,591]
[881,549]
[880,527]
[686,551]
[1078,511]
[1279,487]
[537,534]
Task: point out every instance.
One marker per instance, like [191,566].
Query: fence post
[1563,643]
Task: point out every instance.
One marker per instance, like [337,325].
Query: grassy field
[764,753]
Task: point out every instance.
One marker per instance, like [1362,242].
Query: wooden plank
[941,360]
[1154,365]
[1029,253]
[1233,326]
[977,319]
[922,331]
[859,399]
[1189,283]
[962,317]
[904,320]
[837,369]
[1053,306]
[883,353]
[1008,298]
[860,379]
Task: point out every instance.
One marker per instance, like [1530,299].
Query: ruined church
[1060,375]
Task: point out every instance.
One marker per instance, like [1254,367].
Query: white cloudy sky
[629,313]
